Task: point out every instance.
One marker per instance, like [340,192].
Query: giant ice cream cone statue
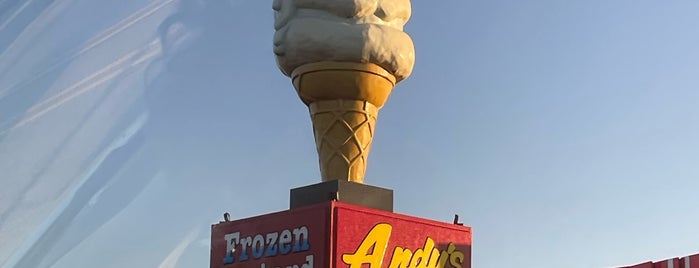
[344,58]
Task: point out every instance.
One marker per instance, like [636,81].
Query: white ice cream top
[371,31]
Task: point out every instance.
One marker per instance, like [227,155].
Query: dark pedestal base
[343,191]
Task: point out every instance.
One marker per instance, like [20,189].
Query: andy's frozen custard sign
[337,235]
[261,249]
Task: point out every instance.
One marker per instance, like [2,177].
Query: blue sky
[564,132]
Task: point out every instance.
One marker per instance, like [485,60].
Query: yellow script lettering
[421,258]
[401,258]
[456,258]
[372,251]
[376,239]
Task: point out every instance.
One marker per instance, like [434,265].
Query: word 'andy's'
[372,251]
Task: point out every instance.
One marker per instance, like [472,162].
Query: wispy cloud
[90,82]
[92,43]
[122,140]
[12,17]
[171,260]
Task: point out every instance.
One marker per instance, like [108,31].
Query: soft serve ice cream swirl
[364,31]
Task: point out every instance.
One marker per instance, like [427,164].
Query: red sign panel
[371,238]
[690,261]
[339,235]
[642,265]
[685,262]
[295,239]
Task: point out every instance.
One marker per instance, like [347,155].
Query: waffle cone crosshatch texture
[343,131]
[343,101]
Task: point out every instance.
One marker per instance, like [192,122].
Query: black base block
[343,191]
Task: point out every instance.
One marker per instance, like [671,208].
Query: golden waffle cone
[343,130]
[343,100]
